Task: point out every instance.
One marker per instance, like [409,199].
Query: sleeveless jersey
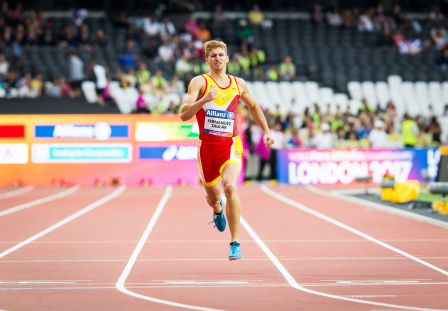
[217,119]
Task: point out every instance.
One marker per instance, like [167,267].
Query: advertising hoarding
[332,166]
[41,150]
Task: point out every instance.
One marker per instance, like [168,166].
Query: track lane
[28,197]
[90,282]
[340,270]
[8,192]
[19,226]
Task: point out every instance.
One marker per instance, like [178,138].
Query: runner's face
[217,59]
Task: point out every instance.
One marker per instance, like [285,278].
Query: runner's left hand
[268,140]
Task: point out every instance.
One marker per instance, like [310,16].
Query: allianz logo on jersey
[220,114]
[99,131]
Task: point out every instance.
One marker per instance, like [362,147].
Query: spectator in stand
[150,26]
[435,132]
[409,24]
[66,90]
[203,34]
[379,10]
[243,32]
[257,57]
[10,85]
[4,66]
[48,39]
[255,16]
[100,80]
[334,17]
[244,62]
[438,38]
[84,40]
[264,153]
[233,67]
[318,16]
[279,144]
[409,131]
[37,85]
[126,59]
[348,19]
[365,21]
[385,40]
[141,104]
[132,33]
[143,74]
[352,140]
[396,13]
[294,109]
[151,51]
[55,88]
[422,138]
[76,72]
[287,69]
[167,27]
[259,74]
[135,19]
[218,17]
[436,17]
[100,40]
[364,130]
[324,139]
[121,21]
[158,81]
[130,77]
[377,137]
[191,26]
[184,66]
[185,36]
[166,52]
[24,86]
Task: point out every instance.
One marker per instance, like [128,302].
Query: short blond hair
[213,44]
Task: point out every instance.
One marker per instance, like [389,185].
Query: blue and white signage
[82,153]
[100,131]
[168,153]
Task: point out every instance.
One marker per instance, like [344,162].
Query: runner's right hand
[212,94]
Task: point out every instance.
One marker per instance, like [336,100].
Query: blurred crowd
[368,127]
[395,28]
[318,128]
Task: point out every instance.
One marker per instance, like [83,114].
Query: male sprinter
[213,98]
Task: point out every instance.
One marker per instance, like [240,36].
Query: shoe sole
[234,258]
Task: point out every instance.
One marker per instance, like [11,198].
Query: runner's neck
[220,77]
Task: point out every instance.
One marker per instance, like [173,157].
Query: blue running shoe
[235,251]
[219,220]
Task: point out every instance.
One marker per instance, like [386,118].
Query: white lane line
[348,228]
[66,220]
[40,201]
[384,208]
[203,259]
[288,276]
[245,241]
[16,192]
[120,283]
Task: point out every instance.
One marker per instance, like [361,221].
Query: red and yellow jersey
[217,118]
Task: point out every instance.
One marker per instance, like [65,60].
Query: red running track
[183,262]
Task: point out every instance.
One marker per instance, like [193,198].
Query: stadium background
[347,64]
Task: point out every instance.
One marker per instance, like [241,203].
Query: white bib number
[219,123]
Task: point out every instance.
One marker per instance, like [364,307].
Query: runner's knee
[229,190]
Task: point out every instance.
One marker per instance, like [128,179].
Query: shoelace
[214,220]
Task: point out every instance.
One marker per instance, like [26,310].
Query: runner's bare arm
[255,111]
[191,103]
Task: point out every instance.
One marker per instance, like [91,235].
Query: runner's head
[216,54]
